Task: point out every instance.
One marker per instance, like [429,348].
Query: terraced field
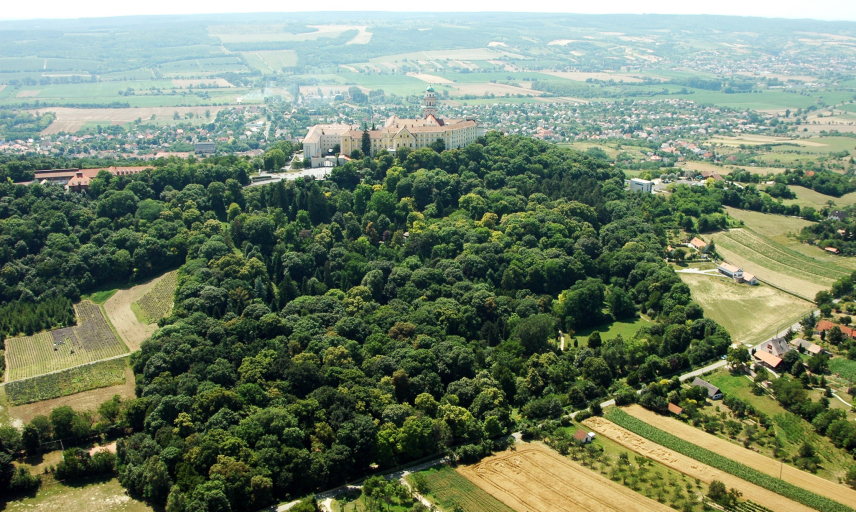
[92,339]
[777,264]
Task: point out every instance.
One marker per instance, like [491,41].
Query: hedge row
[730,466]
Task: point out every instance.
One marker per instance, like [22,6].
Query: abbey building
[395,133]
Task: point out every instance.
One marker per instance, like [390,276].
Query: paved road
[319,173]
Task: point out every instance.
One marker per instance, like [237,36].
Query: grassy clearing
[749,313]
[447,488]
[844,367]
[611,330]
[99,297]
[808,197]
[101,496]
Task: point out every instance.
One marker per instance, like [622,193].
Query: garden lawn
[626,329]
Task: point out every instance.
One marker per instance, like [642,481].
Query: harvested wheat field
[691,467]
[118,309]
[69,119]
[814,483]
[535,478]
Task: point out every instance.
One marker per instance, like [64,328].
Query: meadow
[623,328]
[750,313]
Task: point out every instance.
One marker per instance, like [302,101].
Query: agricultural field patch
[92,339]
[448,488]
[196,82]
[271,60]
[808,197]
[71,120]
[580,76]
[533,477]
[750,313]
[698,463]
[67,382]
[777,264]
[831,489]
[79,401]
[118,308]
[157,302]
[845,368]
[773,226]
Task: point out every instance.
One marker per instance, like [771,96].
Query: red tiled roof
[675,409]
[768,358]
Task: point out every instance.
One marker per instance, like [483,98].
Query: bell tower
[429,107]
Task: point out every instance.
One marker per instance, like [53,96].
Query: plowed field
[814,483]
[692,467]
[536,478]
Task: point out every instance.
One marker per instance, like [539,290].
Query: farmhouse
[322,140]
[825,325]
[831,250]
[583,437]
[767,359]
[713,392]
[730,270]
[837,215]
[776,346]
[750,278]
[78,179]
[697,243]
[807,346]
[640,185]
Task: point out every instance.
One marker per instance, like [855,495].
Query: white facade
[640,185]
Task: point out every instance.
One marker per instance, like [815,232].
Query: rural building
[837,215]
[698,244]
[711,174]
[825,325]
[395,133]
[775,346]
[769,360]
[713,392]
[78,179]
[831,250]
[674,409]
[206,148]
[750,278]
[640,185]
[807,346]
[731,271]
[583,436]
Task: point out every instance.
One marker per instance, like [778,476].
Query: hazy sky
[817,9]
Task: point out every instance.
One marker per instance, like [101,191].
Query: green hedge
[710,458]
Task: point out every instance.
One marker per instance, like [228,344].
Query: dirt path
[754,460]
[118,309]
[536,478]
[691,467]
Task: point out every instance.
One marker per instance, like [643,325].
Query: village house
[713,392]
[750,278]
[807,346]
[767,359]
[583,437]
[731,271]
[698,244]
[825,325]
[775,346]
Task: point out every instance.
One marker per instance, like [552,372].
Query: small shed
[713,392]
[674,409]
[583,436]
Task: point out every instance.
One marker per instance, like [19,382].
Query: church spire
[429,105]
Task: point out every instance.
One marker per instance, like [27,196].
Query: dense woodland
[323,330]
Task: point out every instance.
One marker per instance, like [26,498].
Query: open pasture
[809,197]
[749,313]
[98,496]
[90,340]
[534,477]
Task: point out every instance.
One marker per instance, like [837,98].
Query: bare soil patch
[790,474]
[86,401]
[118,309]
[535,478]
[70,119]
[431,79]
[691,467]
[196,82]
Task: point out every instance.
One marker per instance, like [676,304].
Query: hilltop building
[79,179]
[321,140]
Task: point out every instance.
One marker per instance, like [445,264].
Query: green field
[608,331]
[449,489]
[808,197]
[67,382]
[846,368]
[749,313]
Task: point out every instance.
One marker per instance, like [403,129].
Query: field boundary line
[795,294]
[128,354]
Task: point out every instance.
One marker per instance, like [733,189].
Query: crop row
[157,303]
[787,257]
[730,466]
[67,382]
[451,489]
